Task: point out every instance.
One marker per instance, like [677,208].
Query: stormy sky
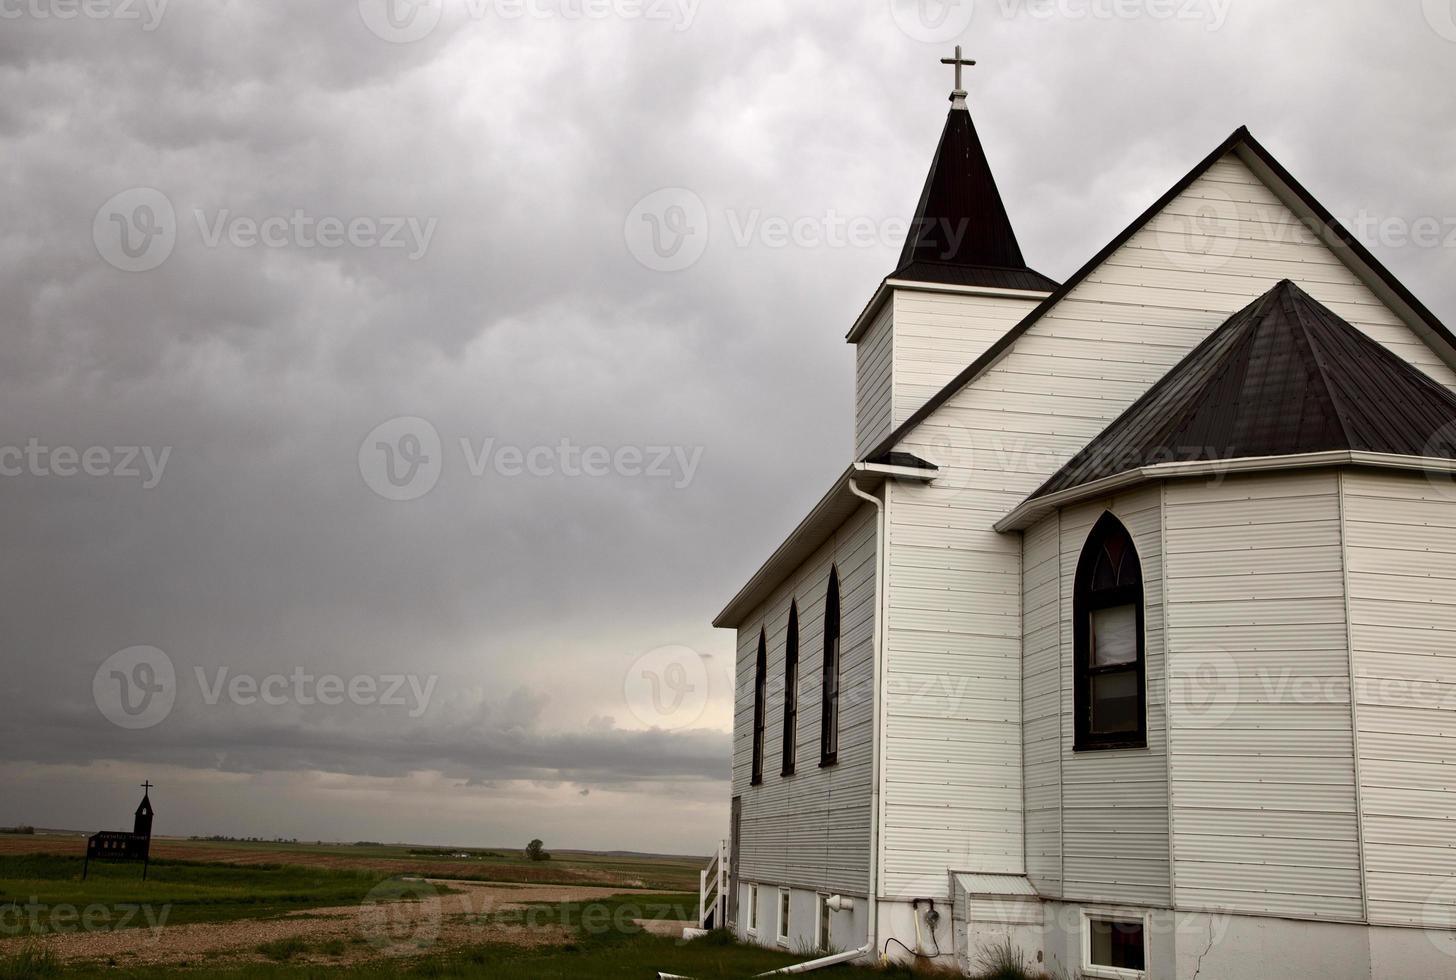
[392,392]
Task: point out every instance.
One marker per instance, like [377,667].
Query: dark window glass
[791,693]
[1116,944]
[1110,669]
[760,683]
[829,719]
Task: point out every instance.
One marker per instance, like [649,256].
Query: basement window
[1114,947]
[824,918]
[783,930]
[753,909]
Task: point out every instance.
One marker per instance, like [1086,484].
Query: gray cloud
[528,320]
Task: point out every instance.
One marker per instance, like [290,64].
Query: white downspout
[872,937]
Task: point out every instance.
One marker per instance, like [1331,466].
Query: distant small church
[118,845]
[1126,634]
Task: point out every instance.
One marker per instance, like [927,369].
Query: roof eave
[827,516]
[1033,509]
[886,289]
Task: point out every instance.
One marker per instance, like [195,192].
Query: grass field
[506,865]
[238,911]
[40,892]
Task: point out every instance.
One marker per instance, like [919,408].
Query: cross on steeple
[146,786]
[958,97]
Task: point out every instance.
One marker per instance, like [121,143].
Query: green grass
[637,957]
[603,944]
[42,893]
[487,864]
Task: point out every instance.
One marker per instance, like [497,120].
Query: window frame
[752,926]
[760,708]
[829,693]
[1089,969]
[791,694]
[824,924]
[781,916]
[1085,602]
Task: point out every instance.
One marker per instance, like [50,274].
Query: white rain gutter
[881,563]
[1031,510]
[871,933]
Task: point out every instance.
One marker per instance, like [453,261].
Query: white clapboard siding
[873,382]
[1264,813]
[999,437]
[952,793]
[811,830]
[1041,704]
[1403,637]
[938,334]
[1114,804]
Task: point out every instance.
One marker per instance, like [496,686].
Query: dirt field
[448,904]
[358,932]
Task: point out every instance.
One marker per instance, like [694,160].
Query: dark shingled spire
[961,234]
[1283,376]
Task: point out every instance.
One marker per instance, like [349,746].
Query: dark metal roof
[1338,238]
[975,275]
[961,233]
[1284,376]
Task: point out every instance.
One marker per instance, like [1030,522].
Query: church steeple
[961,234]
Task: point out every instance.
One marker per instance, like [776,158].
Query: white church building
[1128,633]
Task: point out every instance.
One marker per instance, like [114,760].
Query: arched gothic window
[1110,670]
[829,717]
[791,692]
[760,685]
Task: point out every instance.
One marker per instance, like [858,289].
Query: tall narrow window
[829,717]
[760,684]
[1110,668]
[791,692]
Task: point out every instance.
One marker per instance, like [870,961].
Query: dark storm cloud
[524,143]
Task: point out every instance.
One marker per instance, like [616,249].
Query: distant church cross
[958,97]
[146,786]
